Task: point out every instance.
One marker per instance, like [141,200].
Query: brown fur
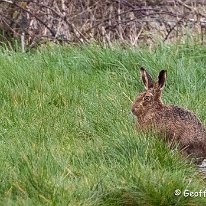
[174,122]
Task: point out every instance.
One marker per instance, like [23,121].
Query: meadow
[67,135]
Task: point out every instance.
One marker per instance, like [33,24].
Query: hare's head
[151,98]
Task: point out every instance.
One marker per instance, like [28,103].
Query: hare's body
[175,123]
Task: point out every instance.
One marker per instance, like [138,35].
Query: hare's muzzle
[134,110]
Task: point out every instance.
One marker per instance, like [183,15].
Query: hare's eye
[147,98]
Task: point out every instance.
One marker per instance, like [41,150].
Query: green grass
[67,135]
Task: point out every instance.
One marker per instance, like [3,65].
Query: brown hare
[175,123]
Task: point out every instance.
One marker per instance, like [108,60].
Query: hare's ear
[146,78]
[162,79]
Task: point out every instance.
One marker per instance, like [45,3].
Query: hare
[175,123]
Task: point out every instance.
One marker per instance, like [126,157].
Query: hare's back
[183,114]
[182,121]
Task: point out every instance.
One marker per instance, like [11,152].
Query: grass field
[67,135]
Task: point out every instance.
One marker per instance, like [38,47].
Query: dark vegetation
[34,22]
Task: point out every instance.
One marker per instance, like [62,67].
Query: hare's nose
[134,110]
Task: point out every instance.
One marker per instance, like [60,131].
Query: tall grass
[67,135]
